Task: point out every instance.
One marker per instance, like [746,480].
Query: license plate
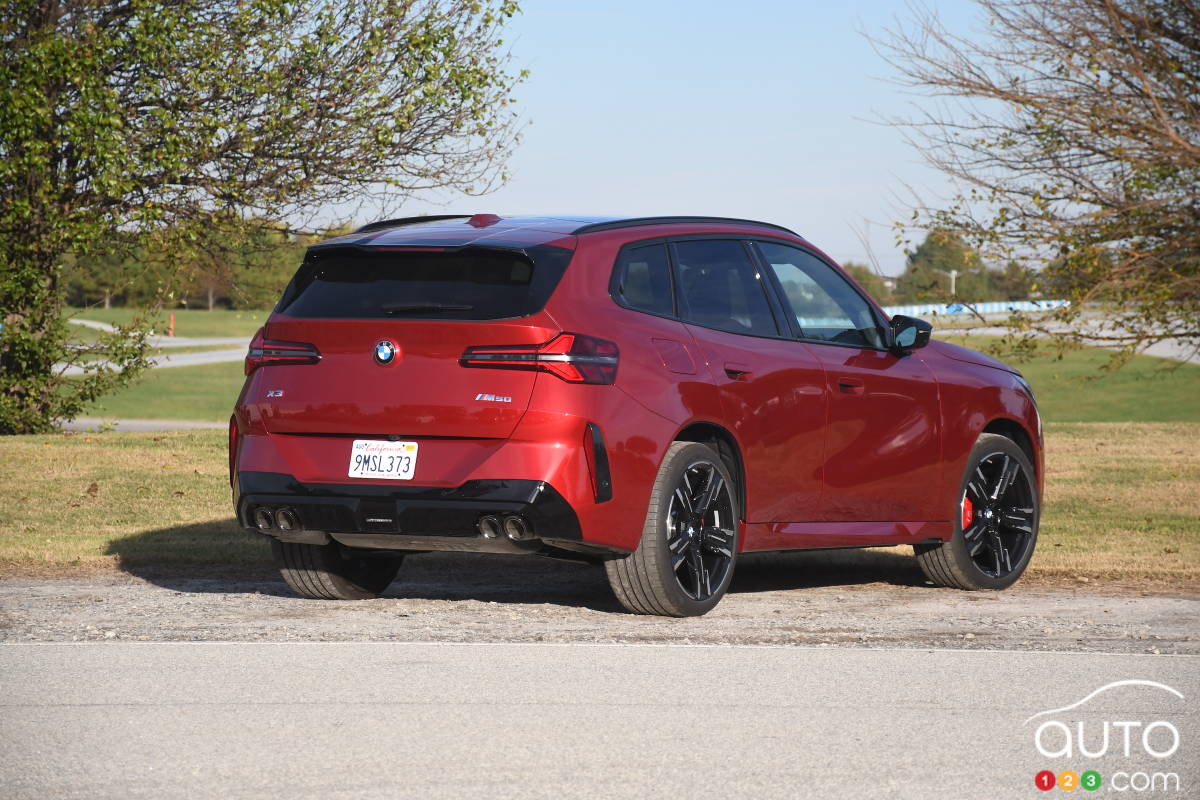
[372,458]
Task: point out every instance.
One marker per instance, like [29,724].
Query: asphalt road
[333,720]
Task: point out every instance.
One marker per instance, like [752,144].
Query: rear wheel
[332,572]
[685,559]
[996,521]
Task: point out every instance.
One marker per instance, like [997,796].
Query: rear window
[471,283]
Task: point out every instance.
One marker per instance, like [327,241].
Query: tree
[1072,130]
[943,269]
[870,280]
[164,119]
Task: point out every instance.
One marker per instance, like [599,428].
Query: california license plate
[372,458]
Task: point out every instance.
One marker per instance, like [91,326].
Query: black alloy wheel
[997,509]
[700,530]
[995,520]
[685,559]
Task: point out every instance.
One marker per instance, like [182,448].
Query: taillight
[266,352]
[571,356]
[233,446]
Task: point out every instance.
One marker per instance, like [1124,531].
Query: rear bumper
[413,517]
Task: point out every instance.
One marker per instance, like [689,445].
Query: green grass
[188,322]
[1121,505]
[1074,389]
[205,392]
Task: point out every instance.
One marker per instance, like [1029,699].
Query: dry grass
[1122,504]
[87,502]
[1122,500]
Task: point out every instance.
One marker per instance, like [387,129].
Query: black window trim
[783,331]
[881,321]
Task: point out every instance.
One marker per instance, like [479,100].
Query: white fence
[1000,307]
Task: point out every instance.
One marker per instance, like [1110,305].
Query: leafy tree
[163,118]
[943,269]
[869,280]
[1072,129]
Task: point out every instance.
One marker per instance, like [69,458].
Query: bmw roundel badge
[385,352]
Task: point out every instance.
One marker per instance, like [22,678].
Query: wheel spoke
[1002,558]
[703,589]
[976,486]
[684,499]
[1017,519]
[1008,473]
[715,484]
[974,537]
[681,550]
[719,540]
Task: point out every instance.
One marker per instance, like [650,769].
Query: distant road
[402,720]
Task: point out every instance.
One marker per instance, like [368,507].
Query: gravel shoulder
[877,600]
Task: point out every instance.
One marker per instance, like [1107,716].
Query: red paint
[839,446]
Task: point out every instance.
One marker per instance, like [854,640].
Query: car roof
[519,231]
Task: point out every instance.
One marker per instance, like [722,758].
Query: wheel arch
[727,448]
[1011,429]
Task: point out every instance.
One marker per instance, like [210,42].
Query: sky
[762,109]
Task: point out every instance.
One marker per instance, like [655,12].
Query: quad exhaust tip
[516,528]
[287,520]
[489,527]
[513,526]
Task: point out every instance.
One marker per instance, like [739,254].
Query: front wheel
[996,521]
[685,559]
[332,572]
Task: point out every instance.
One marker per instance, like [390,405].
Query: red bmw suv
[656,395]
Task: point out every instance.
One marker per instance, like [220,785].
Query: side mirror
[909,333]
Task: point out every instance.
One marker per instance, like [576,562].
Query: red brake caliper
[968,512]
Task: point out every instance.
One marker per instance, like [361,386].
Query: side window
[825,306]
[719,287]
[645,279]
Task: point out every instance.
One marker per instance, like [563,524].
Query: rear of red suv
[414,391]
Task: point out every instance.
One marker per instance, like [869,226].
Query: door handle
[738,372]
[851,386]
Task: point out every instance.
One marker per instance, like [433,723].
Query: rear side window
[719,287]
[645,279]
[471,283]
[824,304]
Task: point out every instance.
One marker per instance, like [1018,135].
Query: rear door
[772,388]
[883,442]
[423,307]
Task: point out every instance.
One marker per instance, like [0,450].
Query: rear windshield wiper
[397,308]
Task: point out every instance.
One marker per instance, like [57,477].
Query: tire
[688,549]
[332,572]
[1000,510]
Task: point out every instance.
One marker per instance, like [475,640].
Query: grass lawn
[205,392]
[188,322]
[1122,504]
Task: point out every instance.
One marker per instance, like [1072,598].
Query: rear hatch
[425,306]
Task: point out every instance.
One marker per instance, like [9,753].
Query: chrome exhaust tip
[287,520]
[489,527]
[264,520]
[516,528]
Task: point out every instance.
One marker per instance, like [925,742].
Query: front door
[882,452]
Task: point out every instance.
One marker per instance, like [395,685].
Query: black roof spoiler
[396,223]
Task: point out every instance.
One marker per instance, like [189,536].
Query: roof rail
[395,223]
[634,221]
